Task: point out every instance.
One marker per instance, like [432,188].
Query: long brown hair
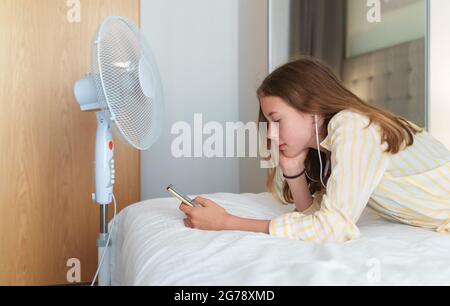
[310,86]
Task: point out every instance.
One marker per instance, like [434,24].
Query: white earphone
[318,150]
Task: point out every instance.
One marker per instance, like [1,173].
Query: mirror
[378,48]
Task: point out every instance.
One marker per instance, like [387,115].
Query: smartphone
[186,200]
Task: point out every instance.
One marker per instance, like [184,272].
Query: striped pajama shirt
[410,187]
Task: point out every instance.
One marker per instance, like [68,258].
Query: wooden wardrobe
[47,215]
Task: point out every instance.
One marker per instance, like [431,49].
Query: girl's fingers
[202,201]
[187,222]
[186,209]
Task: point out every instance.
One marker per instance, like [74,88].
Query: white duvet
[151,246]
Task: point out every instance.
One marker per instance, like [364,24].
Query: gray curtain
[317,28]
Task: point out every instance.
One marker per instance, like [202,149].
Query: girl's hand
[293,165]
[209,217]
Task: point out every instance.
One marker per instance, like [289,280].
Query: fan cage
[117,56]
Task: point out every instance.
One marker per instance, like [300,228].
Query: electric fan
[124,88]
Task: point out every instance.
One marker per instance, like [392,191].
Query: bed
[151,246]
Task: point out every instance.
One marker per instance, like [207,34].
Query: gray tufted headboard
[391,78]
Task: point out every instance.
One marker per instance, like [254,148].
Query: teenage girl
[339,154]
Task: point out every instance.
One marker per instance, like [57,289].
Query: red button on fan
[111,145]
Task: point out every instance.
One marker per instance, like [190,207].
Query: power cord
[107,242]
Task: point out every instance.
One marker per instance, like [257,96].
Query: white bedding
[151,246]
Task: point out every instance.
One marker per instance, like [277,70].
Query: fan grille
[120,57]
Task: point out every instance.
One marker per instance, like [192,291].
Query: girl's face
[296,129]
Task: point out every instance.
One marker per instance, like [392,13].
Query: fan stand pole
[104,182]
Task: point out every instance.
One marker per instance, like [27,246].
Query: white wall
[196,46]
[212,56]
[253,61]
[439,71]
